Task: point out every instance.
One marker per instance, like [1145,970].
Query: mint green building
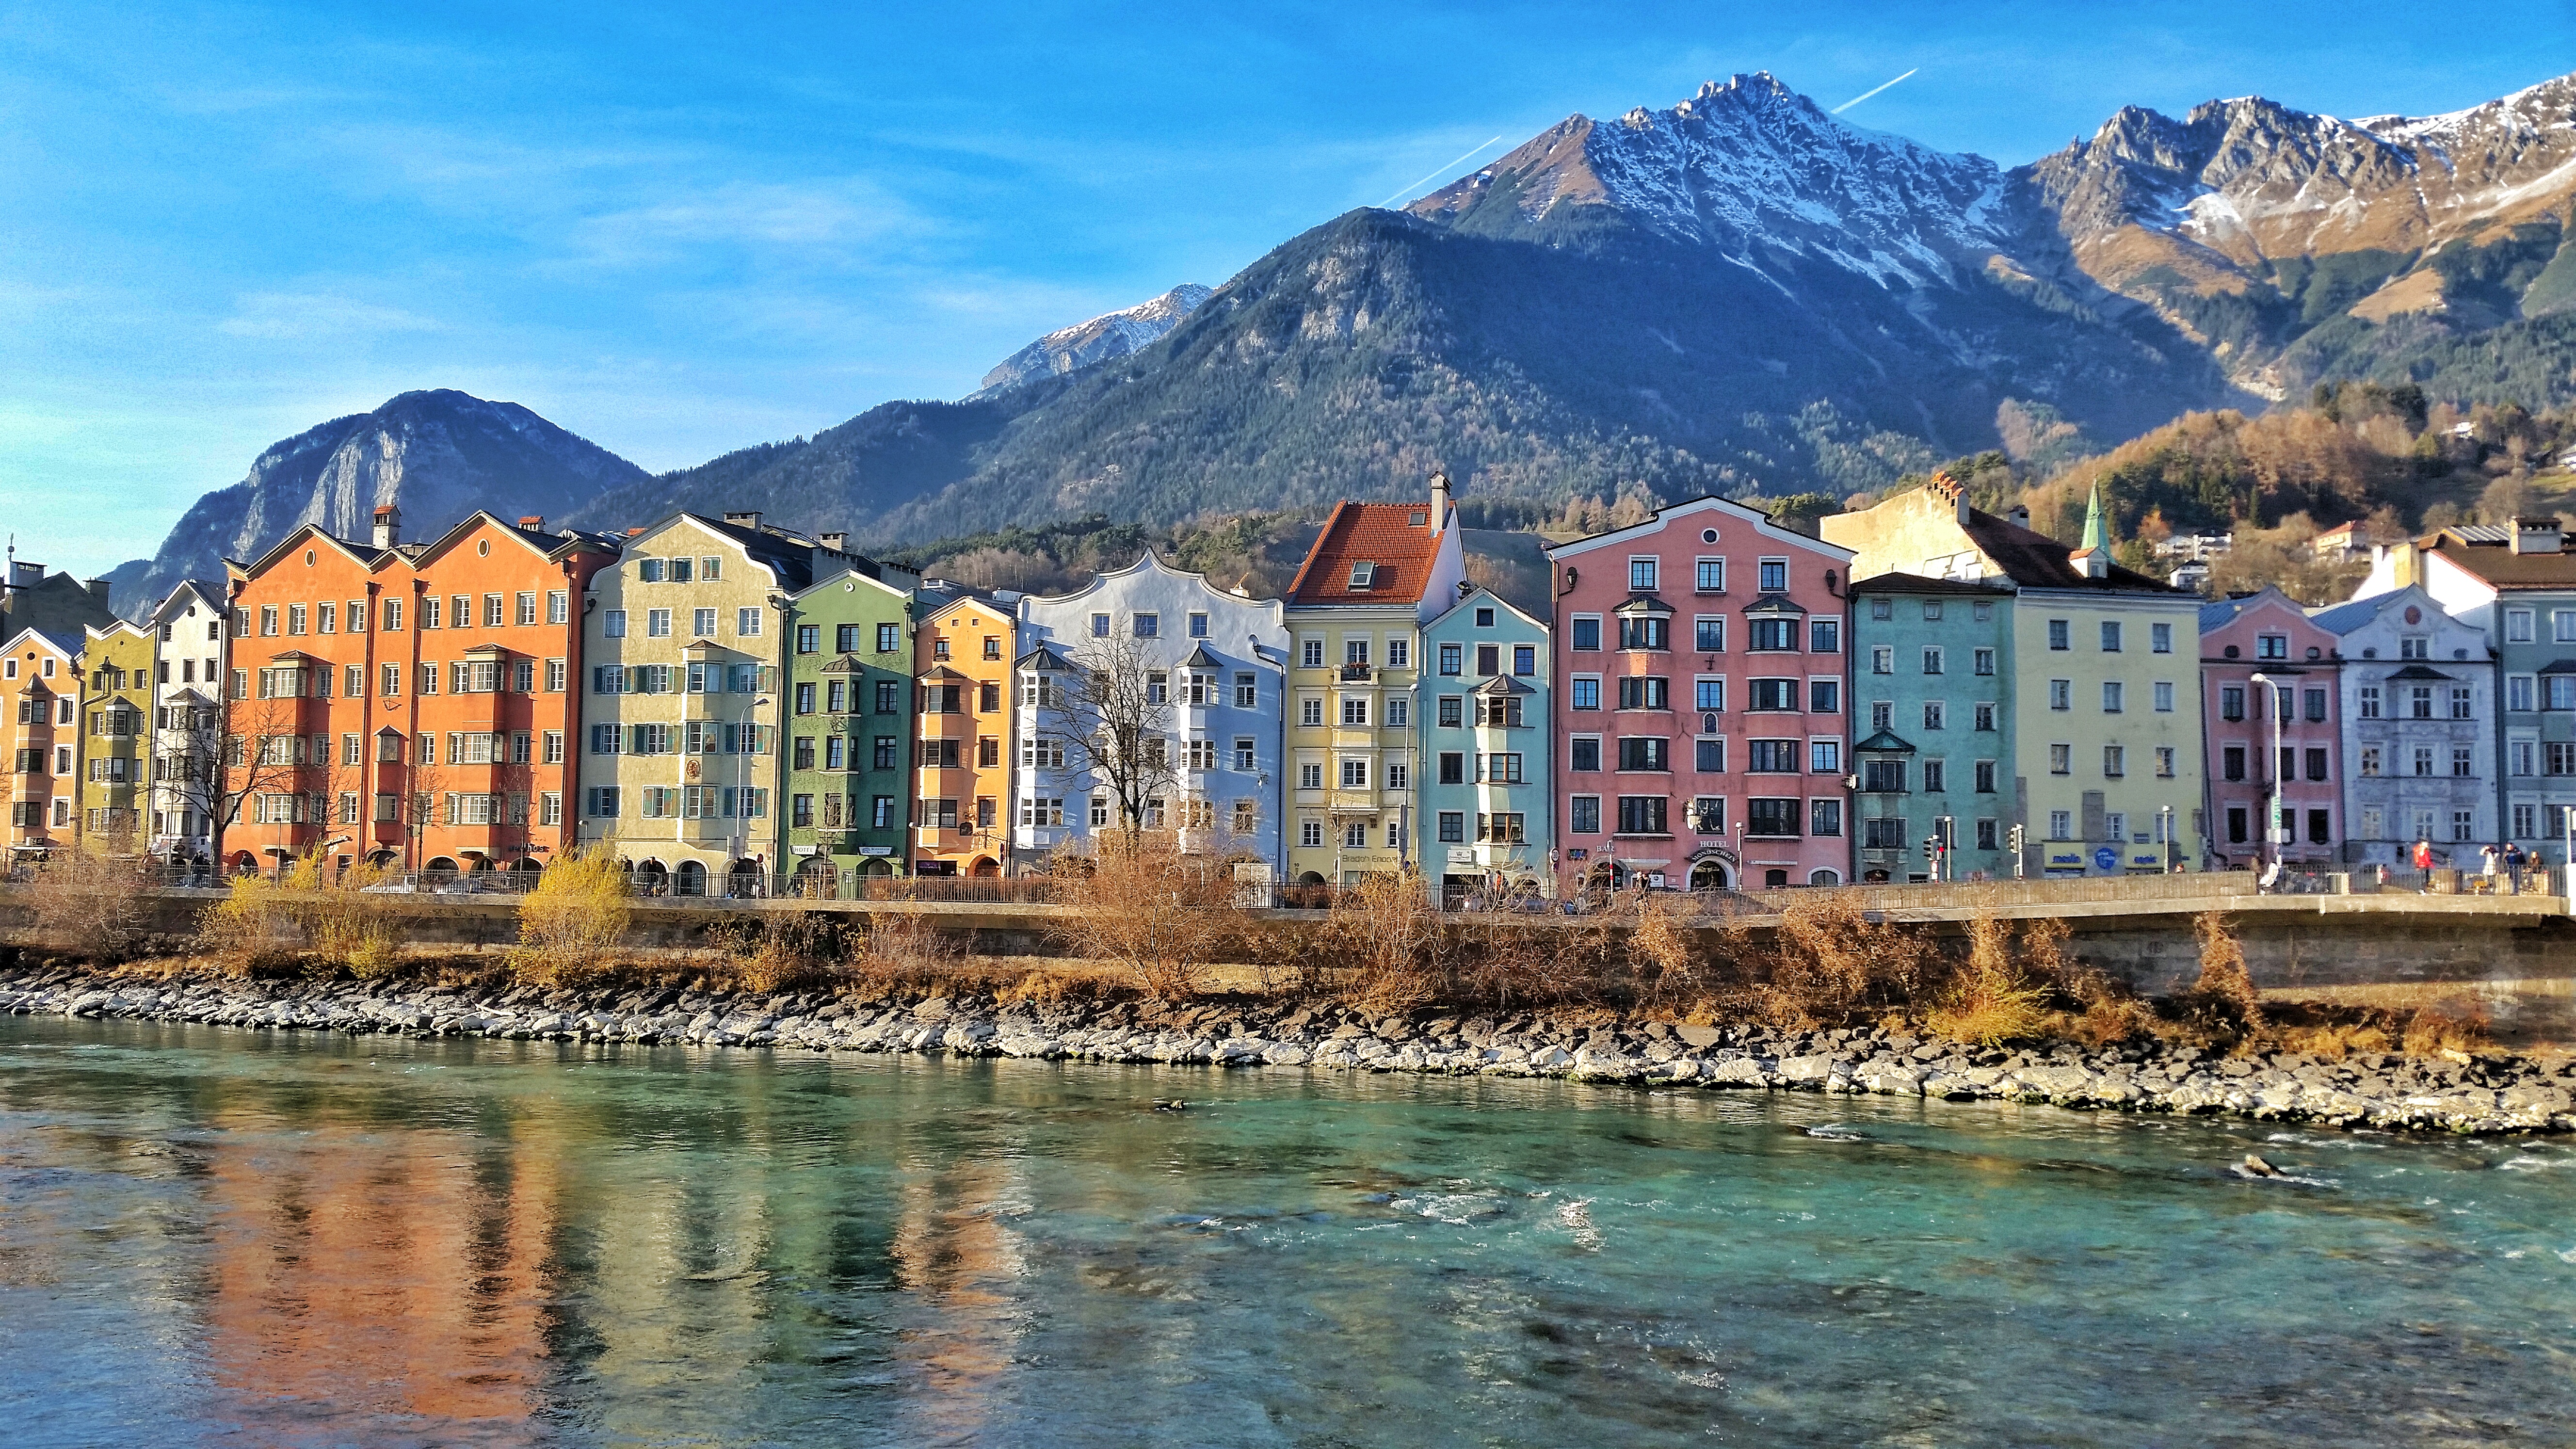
[847,724]
[1932,707]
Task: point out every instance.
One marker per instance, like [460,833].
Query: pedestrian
[2515,858]
[2490,859]
[2424,863]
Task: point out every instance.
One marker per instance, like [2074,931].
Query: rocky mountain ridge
[1110,335]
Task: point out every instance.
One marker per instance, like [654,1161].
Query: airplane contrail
[1400,195]
[1865,95]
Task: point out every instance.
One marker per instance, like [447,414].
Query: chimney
[1956,496]
[97,589]
[2536,535]
[744,520]
[1440,502]
[533,522]
[2018,515]
[388,526]
[836,542]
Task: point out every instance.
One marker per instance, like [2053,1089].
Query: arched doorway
[439,871]
[817,879]
[478,865]
[690,879]
[524,872]
[1310,891]
[1708,875]
[743,881]
[245,863]
[876,867]
[1875,875]
[652,878]
[1824,878]
[381,860]
[985,867]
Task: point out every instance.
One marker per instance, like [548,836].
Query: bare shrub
[91,902]
[1388,933]
[576,915]
[1990,1000]
[1153,908]
[904,948]
[251,928]
[340,922]
[2221,1006]
[1670,968]
[783,950]
[2433,1029]
[1831,963]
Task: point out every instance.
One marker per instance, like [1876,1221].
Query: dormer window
[1419,518]
[1363,576]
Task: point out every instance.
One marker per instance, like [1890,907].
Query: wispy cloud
[827,220]
[304,317]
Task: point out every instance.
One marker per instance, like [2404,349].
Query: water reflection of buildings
[389,1276]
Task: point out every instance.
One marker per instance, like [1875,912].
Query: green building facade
[848,714]
[1932,705]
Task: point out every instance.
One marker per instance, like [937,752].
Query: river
[228,1237]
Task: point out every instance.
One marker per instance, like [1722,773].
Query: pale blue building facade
[1216,659]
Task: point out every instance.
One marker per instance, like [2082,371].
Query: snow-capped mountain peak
[1112,334]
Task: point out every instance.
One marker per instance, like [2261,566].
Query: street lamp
[2278,833]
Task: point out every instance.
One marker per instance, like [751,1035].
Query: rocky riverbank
[2485,1093]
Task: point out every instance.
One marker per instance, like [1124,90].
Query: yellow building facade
[116,737]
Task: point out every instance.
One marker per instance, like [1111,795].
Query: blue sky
[678,231]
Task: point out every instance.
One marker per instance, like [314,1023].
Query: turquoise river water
[222,1237]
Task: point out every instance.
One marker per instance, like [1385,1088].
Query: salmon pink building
[1700,712]
[2272,698]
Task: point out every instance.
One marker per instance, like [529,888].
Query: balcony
[1357,674]
[1343,802]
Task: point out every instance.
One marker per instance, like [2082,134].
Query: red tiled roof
[2502,568]
[1379,533]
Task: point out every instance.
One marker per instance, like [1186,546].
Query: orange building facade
[40,688]
[408,705]
[961,806]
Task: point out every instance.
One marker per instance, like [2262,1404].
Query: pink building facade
[2299,664]
[1702,704]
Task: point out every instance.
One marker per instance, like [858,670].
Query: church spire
[2097,524]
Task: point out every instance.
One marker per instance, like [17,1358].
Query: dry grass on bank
[1161,927]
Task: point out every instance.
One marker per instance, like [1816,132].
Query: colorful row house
[1934,771]
[1193,674]
[2107,763]
[964,645]
[2273,732]
[116,748]
[1376,575]
[849,721]
[1488,784]
[1700,678]
[2416,697]
[187,721]
[405,706]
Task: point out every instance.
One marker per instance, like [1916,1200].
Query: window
[1984,776]
[1648,691]
[1583,752]
[2271,646]
[1882,714]
[2061,694]
[2562,626]
[1986,836]
[2419,701]
[2459,702]
[1645,631]
[2061,759]
[1148,626]
[1934,715]
[1453,827]
[1708,634]
[1882,832]
[1641,575]
[1882,777]
[2114,694]
[1355,710]
[2524,757]
[1771,757]
[1985,661]
[1773,817]
[2562,690]
[2061,824]
[1777,635]
[1774,575]
[1644,752]
[1505,828]
[1198,626]
[2060,634]
[2165,762]
[657,623]
[1586,633]
[2461,763]
[1825,636]
[1710,755]
[2561,758]
[1642,815]
[1355,773]
[1583,815]
[2110,636]
[1882,659]
[2231,702]
[1489,660]
[2526,821]
[2423,759]
[2517,626]
[1453,659]
[2519,694]
[1985,715]
[1708,576]
[2463,825]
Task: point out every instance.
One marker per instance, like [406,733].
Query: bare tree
[245,748]
[1113,714]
